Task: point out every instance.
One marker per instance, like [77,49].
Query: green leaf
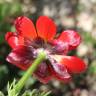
[36,92]
[11,90]
[1,94]
[92,68]
[1,39]
[4,10]
[15,8]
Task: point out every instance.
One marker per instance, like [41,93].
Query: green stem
[41,57]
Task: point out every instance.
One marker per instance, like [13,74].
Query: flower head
[28,41]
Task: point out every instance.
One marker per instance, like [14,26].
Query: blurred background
[79,15]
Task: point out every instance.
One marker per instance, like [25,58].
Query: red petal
[13,40]
[59,47]
[21,56]
[63,79]
[25,27]
[71,37]
[46,28]
[74,64]
[60,72]
[43,73]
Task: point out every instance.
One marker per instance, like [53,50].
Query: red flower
[27,41]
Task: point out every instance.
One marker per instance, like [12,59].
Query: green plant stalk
[41,57]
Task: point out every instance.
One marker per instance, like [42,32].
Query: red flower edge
[25,42]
